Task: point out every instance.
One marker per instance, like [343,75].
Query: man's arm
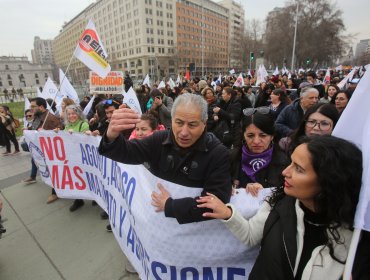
[218,182]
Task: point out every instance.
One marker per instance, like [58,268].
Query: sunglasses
[264,110]
[110,102]
[28,116]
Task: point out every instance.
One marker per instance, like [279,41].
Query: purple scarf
[252,163]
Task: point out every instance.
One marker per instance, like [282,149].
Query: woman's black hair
[262,121]
[328,110]
[347,92]
[338,166]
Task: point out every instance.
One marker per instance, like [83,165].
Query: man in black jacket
[185,155]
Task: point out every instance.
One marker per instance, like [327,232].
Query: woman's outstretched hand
[220,210]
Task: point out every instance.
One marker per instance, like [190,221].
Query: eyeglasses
[323,125]
[264,110]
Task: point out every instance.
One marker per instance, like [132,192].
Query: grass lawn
[17,109]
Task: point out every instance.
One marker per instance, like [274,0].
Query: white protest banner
[131,100]
[178,80]
[158,247]
[66,89]
[171,83]
[111,84]
[232,71]
[90,51]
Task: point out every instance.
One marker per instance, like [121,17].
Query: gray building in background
[362,47]
[19,72]
[42,52]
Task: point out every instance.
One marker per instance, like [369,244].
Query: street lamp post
[295,36]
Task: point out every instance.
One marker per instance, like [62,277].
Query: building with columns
[19,72]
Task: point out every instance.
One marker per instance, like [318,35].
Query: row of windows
[159,32]
[199,14]
[214,25]
[21,76]
[158,4]
[205,32]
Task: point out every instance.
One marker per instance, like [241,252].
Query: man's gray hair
[189,100]
[306,90]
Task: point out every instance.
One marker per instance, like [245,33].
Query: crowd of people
[210,134]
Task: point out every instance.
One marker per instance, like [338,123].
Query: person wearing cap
[291,116]
[186,154]
[161,105]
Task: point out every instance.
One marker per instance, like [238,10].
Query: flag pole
[65,75]
[295,36]
[347,275]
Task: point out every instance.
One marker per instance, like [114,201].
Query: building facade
[361,47]
[202,36]
[236,32]
[42,52]
[156,37]
[18,72]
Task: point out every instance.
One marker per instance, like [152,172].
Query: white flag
[249,73]
[219,80]
[146,80]
[354,126]
[178,80]
[343,82]
[276,72]
[131,100]
[50,90]
[88,106]
[66,89]
[171,83]
[239,81]
[39,93]
[90,51]
[327,77]
[161,85]
[232,71]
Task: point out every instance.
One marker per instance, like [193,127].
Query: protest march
[252,173]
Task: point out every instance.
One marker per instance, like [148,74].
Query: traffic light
[251,55]
[308,61]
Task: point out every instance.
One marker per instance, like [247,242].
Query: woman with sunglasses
[320,119]
[261,163]
[28,118]
[305,228]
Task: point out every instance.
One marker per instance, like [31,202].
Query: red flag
[187,75]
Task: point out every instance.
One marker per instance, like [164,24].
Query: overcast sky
[22,20]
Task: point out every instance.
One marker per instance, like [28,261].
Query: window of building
[6,67]
[20,67]
[9,77]
[132,64]
[158,4]
[10,83]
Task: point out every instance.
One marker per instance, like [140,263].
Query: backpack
[17,124]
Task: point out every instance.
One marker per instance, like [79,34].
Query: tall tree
[320,38]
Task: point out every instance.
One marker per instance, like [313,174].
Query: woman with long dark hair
[305,227]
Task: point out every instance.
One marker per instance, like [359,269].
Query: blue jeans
[33,169]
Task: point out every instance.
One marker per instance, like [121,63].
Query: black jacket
[231,113]
[279,244]
[289,119]
[204,165]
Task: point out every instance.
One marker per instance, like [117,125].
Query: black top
[314,236]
